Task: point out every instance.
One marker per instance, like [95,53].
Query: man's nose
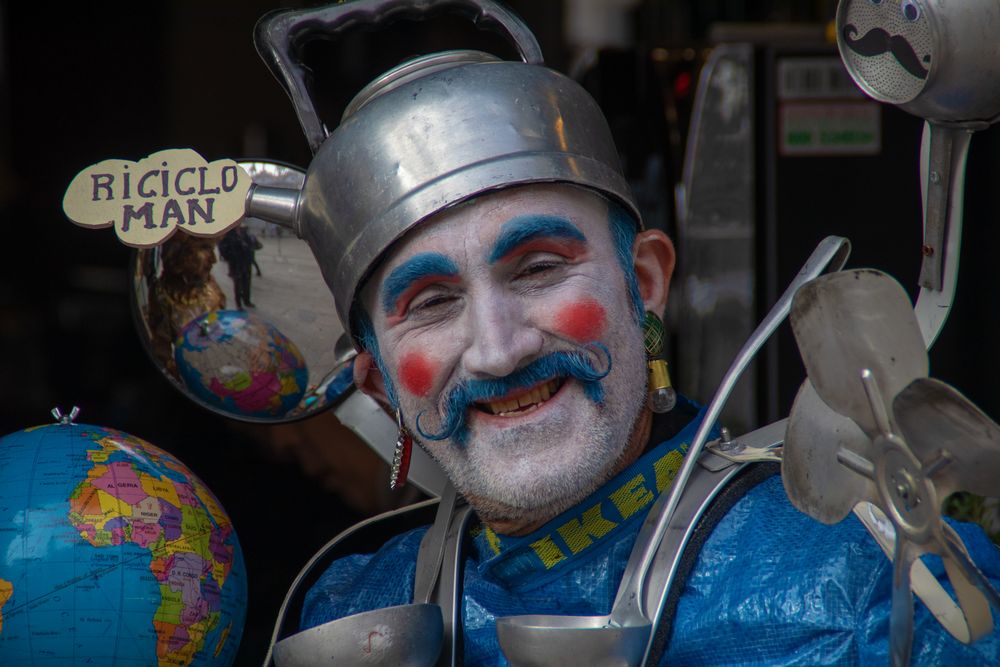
[502,340]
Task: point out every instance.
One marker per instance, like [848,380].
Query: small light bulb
[662,399]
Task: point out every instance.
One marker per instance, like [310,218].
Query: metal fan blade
[966,619]
[850,321]
[817,482]
[974,591]
[901,618]
[945,430]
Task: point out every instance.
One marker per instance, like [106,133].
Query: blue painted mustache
[577,365]
[877,41]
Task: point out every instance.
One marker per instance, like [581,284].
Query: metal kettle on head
[413,142]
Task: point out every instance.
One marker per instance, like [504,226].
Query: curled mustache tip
[451,427]
[598,349]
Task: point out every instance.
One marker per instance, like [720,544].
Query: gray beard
[537,471]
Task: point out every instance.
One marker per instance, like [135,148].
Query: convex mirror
[244,325]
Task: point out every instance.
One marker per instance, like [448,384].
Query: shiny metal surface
[934,418]
[430,555]
[715,282]
[320,559]
[448,592]
[764,444]
[949,148]
[363,415]
[439,140]
[864,353]
[281,35]
[274,204]
[704,485]
[953,74]
[938,60]
[854,320]
[412,634]
[187,277]
[429,134]
[934,303]
[407,635]
[830,254]
[815,481]
[568,641]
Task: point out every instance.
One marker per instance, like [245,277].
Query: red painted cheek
[416,373]
[582,321]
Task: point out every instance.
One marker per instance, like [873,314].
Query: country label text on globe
[114,552]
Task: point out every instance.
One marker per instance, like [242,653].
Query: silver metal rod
[628,607]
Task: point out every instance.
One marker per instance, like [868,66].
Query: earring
[662,397]
[401,457]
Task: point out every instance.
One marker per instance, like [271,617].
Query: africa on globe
[114,553]
[241,363]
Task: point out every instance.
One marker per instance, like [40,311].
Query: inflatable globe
[113,553]
[238,362]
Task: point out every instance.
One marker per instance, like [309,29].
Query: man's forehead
[481,220]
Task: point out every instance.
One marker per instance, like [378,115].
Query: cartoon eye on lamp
[940,61]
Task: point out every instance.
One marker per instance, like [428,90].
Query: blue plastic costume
[770,585]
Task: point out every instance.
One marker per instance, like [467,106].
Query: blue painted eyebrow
[415,268]
[522,229]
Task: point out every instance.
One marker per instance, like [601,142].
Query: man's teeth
[525,402]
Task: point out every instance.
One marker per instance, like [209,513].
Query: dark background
[82,82]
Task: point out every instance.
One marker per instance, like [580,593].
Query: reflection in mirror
[244,325]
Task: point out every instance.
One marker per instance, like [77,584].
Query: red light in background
[682,85]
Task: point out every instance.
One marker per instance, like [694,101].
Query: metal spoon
[622,637]
[409,634]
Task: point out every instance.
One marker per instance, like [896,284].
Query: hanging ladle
[408,634]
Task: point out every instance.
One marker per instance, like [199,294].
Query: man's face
[485,292]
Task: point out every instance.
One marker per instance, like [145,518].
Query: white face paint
[486,288]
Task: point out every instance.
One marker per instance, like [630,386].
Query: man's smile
[521,401]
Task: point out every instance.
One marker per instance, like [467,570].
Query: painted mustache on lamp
[877,41]
[577,365]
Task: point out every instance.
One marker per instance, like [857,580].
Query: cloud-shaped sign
[146,201]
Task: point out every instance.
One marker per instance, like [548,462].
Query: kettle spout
[276,205]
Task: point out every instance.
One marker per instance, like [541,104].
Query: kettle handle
[280,35]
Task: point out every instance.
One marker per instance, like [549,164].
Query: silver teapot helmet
[434,132]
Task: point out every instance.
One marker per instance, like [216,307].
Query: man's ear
[368,378]
[654,257]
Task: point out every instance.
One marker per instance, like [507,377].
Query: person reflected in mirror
[237,248]
[184,290]
[256,245]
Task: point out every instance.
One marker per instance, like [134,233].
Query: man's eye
[431,302]
[537,268]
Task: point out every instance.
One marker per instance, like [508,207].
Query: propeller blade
[849,321]
[901,618]
[968,581]
[816,482]
[940,424]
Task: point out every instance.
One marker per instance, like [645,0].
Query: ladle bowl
[409,635]
[553,641]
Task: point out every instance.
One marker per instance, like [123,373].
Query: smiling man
[483,248]
[507,334]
